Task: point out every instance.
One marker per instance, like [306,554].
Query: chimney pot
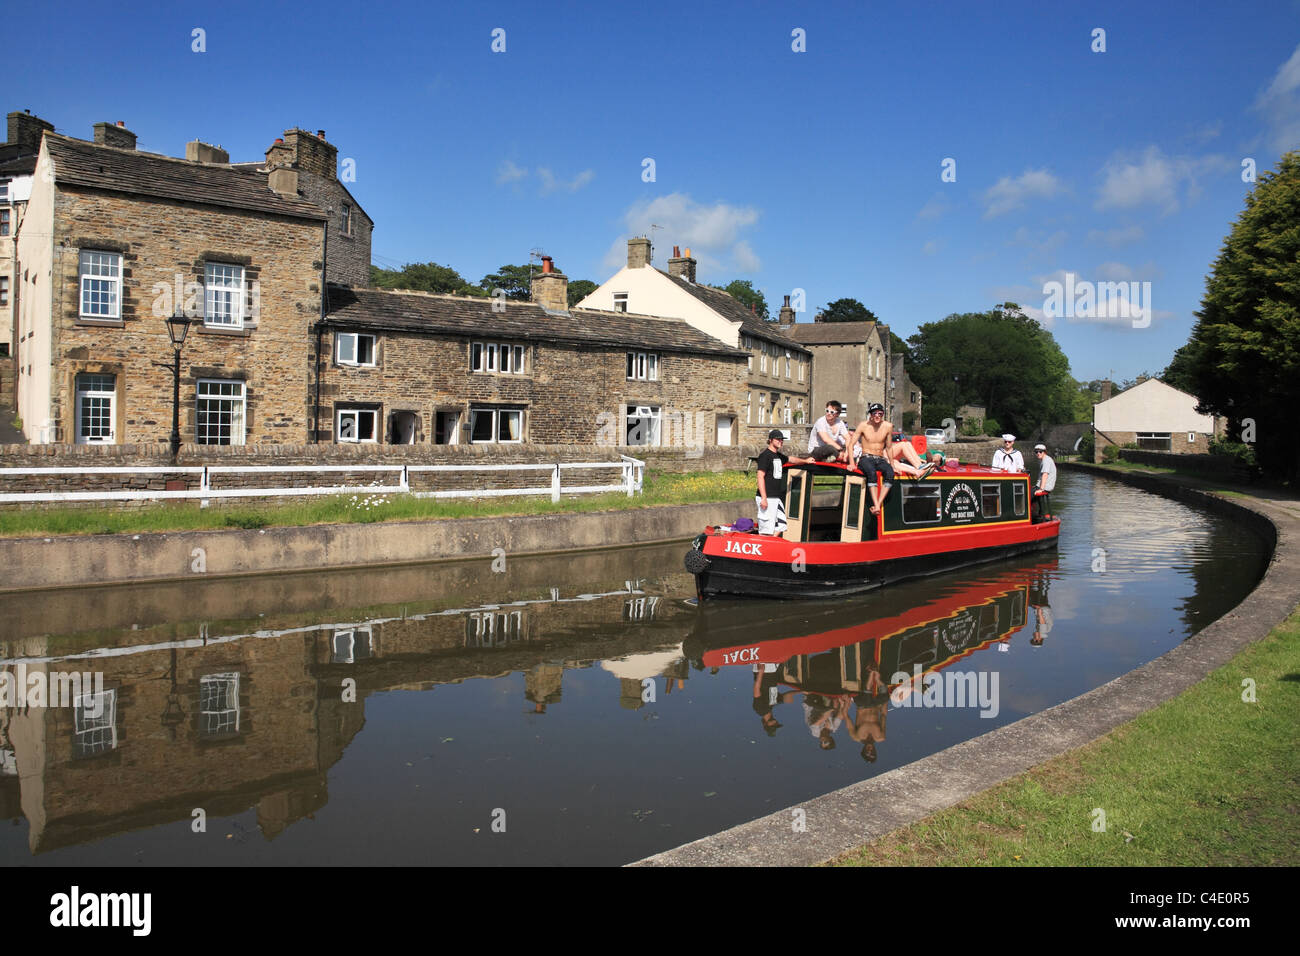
[676,252]
[320,133]
[682,266]
[547,264]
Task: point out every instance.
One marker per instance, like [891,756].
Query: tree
[422,277]
[1243,357]
[743,291]
[847,310]
[515,281]
[898,347]
[1001,359]
[579,290]
[1179,372]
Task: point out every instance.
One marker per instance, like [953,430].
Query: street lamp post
[177,327]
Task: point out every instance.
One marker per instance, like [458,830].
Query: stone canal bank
[863,812]
[66,561]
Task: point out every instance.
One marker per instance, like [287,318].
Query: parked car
[935,436]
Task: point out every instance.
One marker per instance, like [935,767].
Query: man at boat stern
[876,436]
[771,484]
[1046,480]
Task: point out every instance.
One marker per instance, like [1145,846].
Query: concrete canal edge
[78,561]
[863,812]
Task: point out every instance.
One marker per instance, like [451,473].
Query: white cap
[1040,447]
[1008,437]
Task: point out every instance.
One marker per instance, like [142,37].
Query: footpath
[865,812]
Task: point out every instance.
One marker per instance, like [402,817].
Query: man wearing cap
[1007,458]
[876,436]
[771,484]
[1046,479]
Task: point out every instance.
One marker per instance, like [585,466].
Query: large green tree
[514,281]
[1001,359]
[847,310]
[579,289]
[743,291]
[422,277]
[1243,357]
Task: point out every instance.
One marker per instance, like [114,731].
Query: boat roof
[949,471]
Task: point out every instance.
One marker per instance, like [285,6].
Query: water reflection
[589,696]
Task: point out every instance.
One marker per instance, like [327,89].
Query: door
[855,498]
[798,501]
[96,397]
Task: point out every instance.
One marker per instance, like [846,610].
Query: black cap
[776,433]
[875,407]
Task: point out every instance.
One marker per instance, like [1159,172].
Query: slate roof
[735,311]
[384,310]
[832,333]
[80,163]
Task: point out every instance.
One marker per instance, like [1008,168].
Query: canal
[576,709]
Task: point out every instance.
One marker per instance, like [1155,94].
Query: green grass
[659,489]
[1205,779]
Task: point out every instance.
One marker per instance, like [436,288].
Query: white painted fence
[631,479]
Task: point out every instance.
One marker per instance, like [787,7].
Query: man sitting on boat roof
[829,437]
[876,436]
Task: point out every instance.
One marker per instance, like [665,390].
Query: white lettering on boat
[744,547]
[744,656]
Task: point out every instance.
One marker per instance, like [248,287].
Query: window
[357,424]
[95,724]
[493,629]
[787,363]
[802,370]
[219,705]
[762,360]
[642,425]
[920,504]
[497,357]
[101,285]
[991,499]
[911,398]
[220,418]
[762,408]
[355,349]
[4,290]
[345,220]
[490,425]
[640,609]
[96,395]
[785,412]
[643,366]
[4,190]
[351,645]
[749,407]
[620,301]
[4,222]
[1154,441]
[1018,498]
[223,296]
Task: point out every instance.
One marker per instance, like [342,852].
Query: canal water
[575,710]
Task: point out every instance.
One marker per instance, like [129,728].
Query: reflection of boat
[956,517]
[830,659]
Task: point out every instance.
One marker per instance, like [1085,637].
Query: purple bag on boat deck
[743,525]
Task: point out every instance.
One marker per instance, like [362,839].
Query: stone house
[852,364]
[904,404]
[417,368]
[1155,417]
[779,368]
[116,240]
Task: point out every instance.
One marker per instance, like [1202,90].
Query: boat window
[920,504]
[796,496]
[991,499]
[1018,496]
[855,505]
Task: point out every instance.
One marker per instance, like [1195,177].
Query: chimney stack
[550,289]
[108,134]
[309,152]
[200,152]
[25,131]
[786,315]
[638,253]
[682,266]
[283,182]
[1106,388]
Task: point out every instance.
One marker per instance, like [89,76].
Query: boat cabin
[827,502]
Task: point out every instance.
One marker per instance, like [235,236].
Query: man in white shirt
[1007,458]
[829,436]
[1046,479]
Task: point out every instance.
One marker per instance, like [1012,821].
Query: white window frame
[802,369]
[343,645]
[348,348]
[239,408]
[100,276]
[788,373]
[223,295]
[85,728]
[649,413]
[620,301]
[346,225]
[355,415]
[762,360]
[491,358]
[95,393]
[749,408]
[497,413]
[221,727]
[785,412]
[643,366]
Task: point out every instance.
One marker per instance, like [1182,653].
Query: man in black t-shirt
[771,484]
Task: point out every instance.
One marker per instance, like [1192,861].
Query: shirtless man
[877,437]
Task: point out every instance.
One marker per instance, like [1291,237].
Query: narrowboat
[957,516]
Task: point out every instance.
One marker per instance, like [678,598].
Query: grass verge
[1205,779]
[659,489]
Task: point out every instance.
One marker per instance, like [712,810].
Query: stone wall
[349,252]
[1178,443]
[158,241]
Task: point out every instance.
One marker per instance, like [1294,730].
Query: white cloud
[713,232]
[1280,104]
[936,207]
[508,172]
[1110,296]
[1008,194]
[1155,178]
[1117,237]
[550,184]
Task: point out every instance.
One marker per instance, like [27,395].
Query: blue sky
[819,170]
